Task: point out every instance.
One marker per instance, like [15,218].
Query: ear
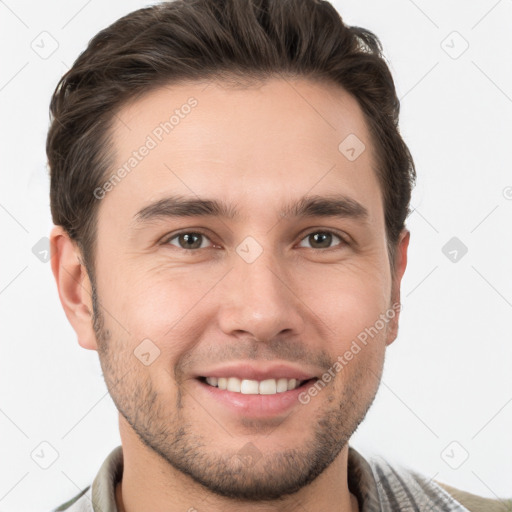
[400,265]
[73,285]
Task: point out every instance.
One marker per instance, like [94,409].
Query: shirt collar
[361,482]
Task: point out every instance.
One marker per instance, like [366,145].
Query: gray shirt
[378,487]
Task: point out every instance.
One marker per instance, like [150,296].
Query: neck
[151,483]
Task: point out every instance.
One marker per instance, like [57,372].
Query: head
[230,186]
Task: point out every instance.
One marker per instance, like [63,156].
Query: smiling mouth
[255,387]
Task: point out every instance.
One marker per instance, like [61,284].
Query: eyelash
[343,240]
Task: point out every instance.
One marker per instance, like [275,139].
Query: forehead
[278,139]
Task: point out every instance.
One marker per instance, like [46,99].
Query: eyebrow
[339,206]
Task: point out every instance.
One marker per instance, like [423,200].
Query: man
[229,188]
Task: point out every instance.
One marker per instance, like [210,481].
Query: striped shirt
[377,485]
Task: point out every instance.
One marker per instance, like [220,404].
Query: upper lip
[257,372]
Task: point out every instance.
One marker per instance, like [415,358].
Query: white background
[448,375]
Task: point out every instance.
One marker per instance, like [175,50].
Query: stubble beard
[164,429]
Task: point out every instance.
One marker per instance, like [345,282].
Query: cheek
[163,304]
[348,299]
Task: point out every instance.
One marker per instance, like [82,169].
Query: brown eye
[322,239]
[188,240]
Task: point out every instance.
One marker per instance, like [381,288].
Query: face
[246,246]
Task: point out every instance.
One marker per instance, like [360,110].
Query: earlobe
[73,285]
[400,266]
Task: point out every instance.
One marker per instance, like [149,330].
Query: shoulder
[403,488]
[475,503]
[101,491]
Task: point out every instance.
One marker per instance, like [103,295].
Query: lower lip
[256,405]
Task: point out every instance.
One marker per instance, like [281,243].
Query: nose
[260,300]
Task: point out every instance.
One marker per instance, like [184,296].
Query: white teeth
[282,385]
[254,387]
[234,384]
[212,381]
[268,387]
[249,387]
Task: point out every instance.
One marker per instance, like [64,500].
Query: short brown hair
[239,40]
